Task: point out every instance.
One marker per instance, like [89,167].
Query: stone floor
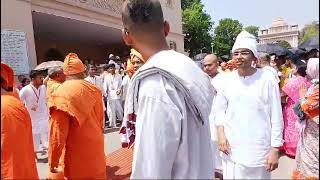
[112,143]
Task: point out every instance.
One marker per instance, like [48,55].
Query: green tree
[188,3]
[284,44]
[254,30]
[309,31]
[225,35]
[197,26]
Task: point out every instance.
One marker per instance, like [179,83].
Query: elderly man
[249,116]
[54,79]
[169,101]
[264,61]
[17,151]
[210,66]
[76,124]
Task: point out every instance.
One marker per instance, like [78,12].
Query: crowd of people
[229,120]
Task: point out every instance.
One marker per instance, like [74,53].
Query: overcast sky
[262,12]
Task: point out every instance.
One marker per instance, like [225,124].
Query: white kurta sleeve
[119,82]
[105,86]
[22,95]
[158,135]
[220,105]
[275,115]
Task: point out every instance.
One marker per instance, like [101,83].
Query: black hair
[136,14]
[24,80]
[9,89]
[301,70]
[34,74]
[110,66]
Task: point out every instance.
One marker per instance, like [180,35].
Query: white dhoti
[40,132]
[232,170]
[115,111]
[40,139]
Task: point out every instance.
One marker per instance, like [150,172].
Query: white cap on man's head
[111,56]
[246,40]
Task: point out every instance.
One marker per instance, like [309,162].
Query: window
[173,45]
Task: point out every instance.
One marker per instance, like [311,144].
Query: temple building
[90,28]
[280,31]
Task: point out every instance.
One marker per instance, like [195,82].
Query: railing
[111,5]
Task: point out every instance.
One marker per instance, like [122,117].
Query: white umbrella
[49,64]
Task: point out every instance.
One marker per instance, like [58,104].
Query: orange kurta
[52,86]
[76,124]
[17,150]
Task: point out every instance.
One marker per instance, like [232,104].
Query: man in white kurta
[35,99]
[210,66]
[248,116]
[96,80]
[171,99]
[125,85]
[112,86]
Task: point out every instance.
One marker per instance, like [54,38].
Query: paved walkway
[112,143]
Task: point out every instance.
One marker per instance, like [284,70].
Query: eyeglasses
[242,53]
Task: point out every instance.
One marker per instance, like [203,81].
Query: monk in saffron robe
[17,151]
[76,124]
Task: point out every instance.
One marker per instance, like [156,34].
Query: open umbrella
[296,54]
[48,64]
[199,57]
[272,48]
[311,43]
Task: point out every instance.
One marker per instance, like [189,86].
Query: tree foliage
[225,35]
[284,44]
[309,31]
[188,3]
[254,30]
[197,26]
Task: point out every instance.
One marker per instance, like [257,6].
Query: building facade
[90,28]
[280,31]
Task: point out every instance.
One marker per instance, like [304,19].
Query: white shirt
[170,143]
[273,71]
[125,85]
[97,81]
[111,84]
[36,98]
[217,83]
[250,110]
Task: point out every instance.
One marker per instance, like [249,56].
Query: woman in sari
[291,92]
[307,156]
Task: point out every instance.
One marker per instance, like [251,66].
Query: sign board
[14,51]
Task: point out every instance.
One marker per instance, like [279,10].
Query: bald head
[142,16]
[211,64]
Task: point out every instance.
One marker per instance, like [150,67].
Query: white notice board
[14,51]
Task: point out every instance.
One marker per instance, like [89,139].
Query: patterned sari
[308,147]
[290,132]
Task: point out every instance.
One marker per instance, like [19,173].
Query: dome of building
[279,22]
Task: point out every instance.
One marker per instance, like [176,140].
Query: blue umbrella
[311,43]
